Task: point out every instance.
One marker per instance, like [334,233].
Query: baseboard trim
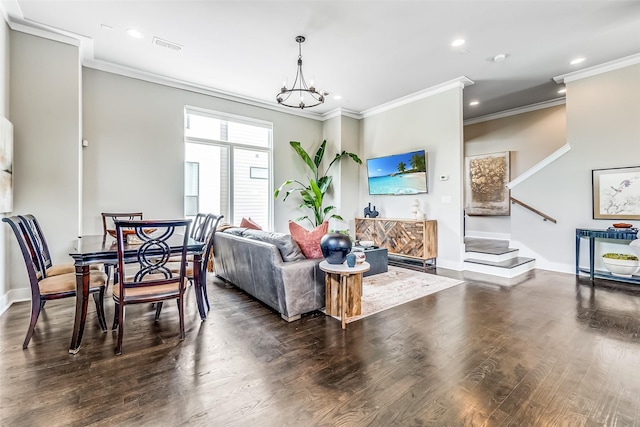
[14,295]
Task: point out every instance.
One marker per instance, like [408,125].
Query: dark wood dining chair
[144,276]
[108,225]
[214,221]
[44,256]
[50,287]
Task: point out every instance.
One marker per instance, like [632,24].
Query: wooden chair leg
[98,298]
[181,315]
[120,329]
[115,317]
[36,305]
[158,310]
[107,271]
[206,297]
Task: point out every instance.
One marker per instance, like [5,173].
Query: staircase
[494,257]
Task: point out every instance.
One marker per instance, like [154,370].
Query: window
[191,185]
[234,156]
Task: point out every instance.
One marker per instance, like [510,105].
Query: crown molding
[599,69]
[516,111]
[193,87]
[340,112]
[459,82]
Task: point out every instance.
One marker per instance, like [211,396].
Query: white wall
[603,130]
[45,89]
[136,147]
[529,137]
[5,234]
[342,134]
[434,124]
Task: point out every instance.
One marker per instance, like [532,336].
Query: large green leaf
[304,156]
[320,154]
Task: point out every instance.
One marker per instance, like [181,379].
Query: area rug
[398,286]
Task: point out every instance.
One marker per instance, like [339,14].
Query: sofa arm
[301,288]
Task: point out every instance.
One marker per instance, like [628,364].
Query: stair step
[510,263]
[492,251]
[476,244]
[508,268]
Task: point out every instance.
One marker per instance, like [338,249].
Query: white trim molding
[460,82]
[539,166]
[516,111]
[599,69]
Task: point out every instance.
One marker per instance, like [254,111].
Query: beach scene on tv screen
[398,174]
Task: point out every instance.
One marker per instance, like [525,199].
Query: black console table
[592,235]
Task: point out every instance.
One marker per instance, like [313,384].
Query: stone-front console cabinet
[417,239]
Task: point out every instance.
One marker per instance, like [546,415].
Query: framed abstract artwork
[616,193]
[6,165]
[486,177]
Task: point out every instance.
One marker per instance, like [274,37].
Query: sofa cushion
[249,223]
[289,249]
[236,231]
[309,241]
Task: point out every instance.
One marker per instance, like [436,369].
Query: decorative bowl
[366,243]
[360,255]
[126,233]
[621,267]
[622,225]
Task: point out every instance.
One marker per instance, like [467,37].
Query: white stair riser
[483,256]
[499,271]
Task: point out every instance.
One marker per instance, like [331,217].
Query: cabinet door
[406,238]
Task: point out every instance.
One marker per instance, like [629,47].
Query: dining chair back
[45,288]
[200,226]
[207,254]
[42,249]
[108,223]
[109,218]
[143,272]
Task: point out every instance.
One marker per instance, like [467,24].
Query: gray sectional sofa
[270,267]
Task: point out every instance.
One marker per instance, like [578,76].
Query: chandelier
[300,87]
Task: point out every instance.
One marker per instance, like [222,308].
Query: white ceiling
[370,52]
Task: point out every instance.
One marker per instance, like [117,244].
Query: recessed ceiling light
[563,90]
[135,33]
[337,96]
[474,103]
[458,42]
[577,61]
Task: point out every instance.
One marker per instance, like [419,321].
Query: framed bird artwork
[616,193]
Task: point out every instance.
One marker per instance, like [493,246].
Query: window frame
[231,146]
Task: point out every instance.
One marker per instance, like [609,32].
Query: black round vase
[335,247]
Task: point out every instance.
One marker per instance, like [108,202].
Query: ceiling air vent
[167,44]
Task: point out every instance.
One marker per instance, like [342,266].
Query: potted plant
[312,193]
[624,265]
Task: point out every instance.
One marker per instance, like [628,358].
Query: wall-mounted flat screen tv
[398,174]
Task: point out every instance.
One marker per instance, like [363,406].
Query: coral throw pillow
[249,223]
[309,241]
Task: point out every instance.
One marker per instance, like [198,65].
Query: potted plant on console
[623,265]
[312,194]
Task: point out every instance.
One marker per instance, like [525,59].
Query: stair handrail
[544,216]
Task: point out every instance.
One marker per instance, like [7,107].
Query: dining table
[103,249]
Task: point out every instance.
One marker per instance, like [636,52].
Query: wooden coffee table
[343,289]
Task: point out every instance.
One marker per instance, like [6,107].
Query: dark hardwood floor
[548,351]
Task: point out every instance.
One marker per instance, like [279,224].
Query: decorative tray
[623,230]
